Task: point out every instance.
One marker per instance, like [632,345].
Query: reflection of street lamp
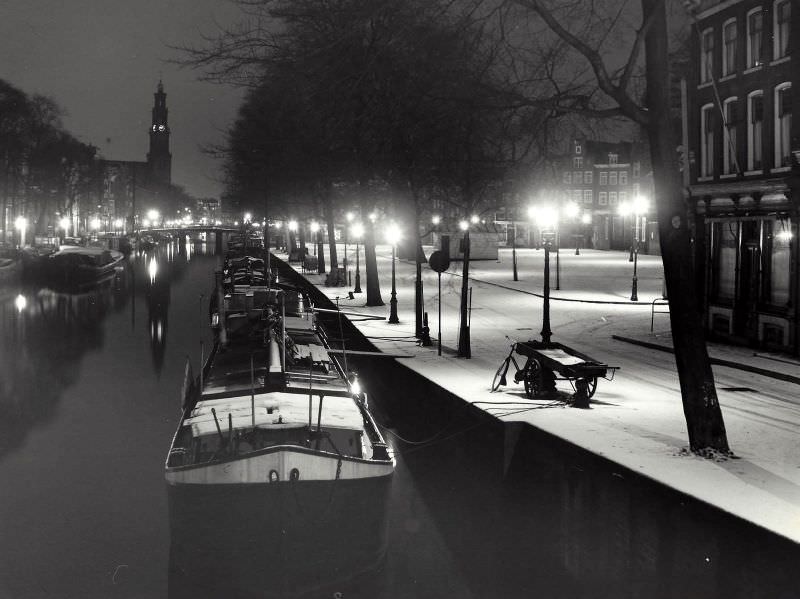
[393,235]
[21,224]
[357,232]
[637,208]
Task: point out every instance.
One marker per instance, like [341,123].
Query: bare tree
[700,404]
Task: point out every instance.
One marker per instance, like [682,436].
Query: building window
[612,158]
[612,198]
[755,120]
[602,198]
[623,196]
[637,169]
[623,177]
[724,242]
[707,56]
[755,28]
[729,35]
[587,196]
[578,148]
[729,165]
[612,178]
[603,177]
[587,177]
[783,124]
[781,17]
[567,176]
[577,177]
[707,140]
[577,162]
[778,263]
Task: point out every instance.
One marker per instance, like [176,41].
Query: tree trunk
[464,350]
[700,405]
[371,266]
[327,204]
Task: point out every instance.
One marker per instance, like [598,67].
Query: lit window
[567,176]
[612,158]
[780,38]
[587,177]
[578,148]
[623,177]
[587,196]
[783,124]
[729,35]
[707,55]
[755,120]
[612,178]
[577,162]
[755,27]
[729,164]
[577,177]
[602,198]
[603,177]
[707,140]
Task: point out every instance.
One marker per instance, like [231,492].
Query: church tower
[159,160]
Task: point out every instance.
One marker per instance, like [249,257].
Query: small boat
[274,403]
[78,264]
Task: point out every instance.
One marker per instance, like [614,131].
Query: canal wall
[598,528]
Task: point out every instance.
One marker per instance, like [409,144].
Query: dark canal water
[89,398]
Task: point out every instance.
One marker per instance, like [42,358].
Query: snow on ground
[635,420]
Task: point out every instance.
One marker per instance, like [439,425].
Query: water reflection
[44,334]
[300,539]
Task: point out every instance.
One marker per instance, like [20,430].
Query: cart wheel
[592,386]
[533,384]
[500,376]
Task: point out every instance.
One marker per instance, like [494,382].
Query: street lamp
[636,208]
[21,224]
[393,235]
[546,218]
[314,226]
[153,216]
[64,224]
[95,224]
[357,230]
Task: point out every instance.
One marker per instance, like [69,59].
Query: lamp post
[63,223]
[21,224]
[314,226]
[514,248]
[546,218]
[393,237]
[357,232]
[292,228]
[349,217]
[572,211]
[636,208]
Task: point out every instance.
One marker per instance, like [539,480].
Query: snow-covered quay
[636,420]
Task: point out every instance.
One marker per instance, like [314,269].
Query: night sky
[101,61]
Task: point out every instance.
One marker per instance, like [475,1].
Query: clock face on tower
[161,128]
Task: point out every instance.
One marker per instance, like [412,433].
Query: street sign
[439,261]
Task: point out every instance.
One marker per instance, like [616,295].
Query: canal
[90,384]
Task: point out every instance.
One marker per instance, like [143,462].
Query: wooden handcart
[548,362]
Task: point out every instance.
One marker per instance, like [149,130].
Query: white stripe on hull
[257,469]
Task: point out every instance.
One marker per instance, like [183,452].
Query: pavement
[636,419]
